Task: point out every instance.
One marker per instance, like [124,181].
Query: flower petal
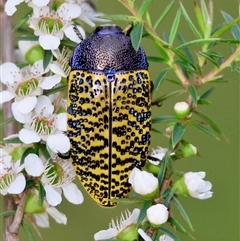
[71,33]
[27,104]
[42,220]
[44,106]
[58,217]
[72,193]
[53,197]
[61,121]
[28,137]
[49,42]
[58,143]
[41,3]
[50,81]
[144,235]
[33,165]
[5,96]
[106,234]
[69,11]
[18,185]
[56,69]
[10,73]
[20,117]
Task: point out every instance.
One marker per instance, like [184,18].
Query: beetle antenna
[76,30]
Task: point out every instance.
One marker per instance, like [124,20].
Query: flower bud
[32,204]
[144,183]
[181,110]
[157,215]
[31,51]
[192,184]
[129,233]
[189,150]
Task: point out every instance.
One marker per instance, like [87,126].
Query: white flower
[33,165]
[88,15]
[143,182]
[197,187]
[23,85]
[46,125]
[115,229]
[50,26]
[58,177]
[158,153]
[144,235]
[10,6]
[11,179]
[42,218]
[60,68]
[157,214]
[165,237]
[41,211]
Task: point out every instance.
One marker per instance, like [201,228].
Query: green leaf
[225,28]
[29,183]
[209,57]
[23,20]
[25,153]
[176,224]
[204,12]
[163,15]
[121,17]
[202,41]
[203,128]
[164,119]
[229,41]
[177,133]
[9,120]
[57,89]
[143,212]
[162,51]
[161,174]
[136,35]
[160,79]
[209,121]
[204,102]
[175,26]
[235,28]
[28,231]
[183,212]
[169,197]
[8,213]
[189,55]
[176,82]
[12,140]
[207,93]
[182,57]
[190,23]
[44,151]
[169,233]
[184,65]
[167,96]
[144,7]
[29,38]
[158,131]
[200,18]
[42,193]
[47,57]
[156,59]
[193,92]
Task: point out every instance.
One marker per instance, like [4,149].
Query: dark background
[213,219]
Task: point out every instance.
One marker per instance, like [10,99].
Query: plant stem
[11,223]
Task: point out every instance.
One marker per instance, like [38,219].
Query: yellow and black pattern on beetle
[109,127]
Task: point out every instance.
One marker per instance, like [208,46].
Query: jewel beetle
[108,113]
